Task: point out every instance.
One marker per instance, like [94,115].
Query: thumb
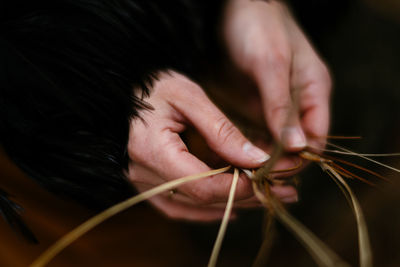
[220,133]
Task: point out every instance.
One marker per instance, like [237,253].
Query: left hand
[266,43]
[159,155]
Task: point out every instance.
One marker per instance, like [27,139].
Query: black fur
[67,69]
[10,211]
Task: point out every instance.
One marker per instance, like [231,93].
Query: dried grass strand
[268,237]
[345,193]
[345,173]
[353,154]
[321,253]
[73,235]
[364,157]
[224,224]
[337,137]
[296,167]
[363,237]
[358,167]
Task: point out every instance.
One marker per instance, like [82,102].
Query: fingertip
[255,154]
[293,138]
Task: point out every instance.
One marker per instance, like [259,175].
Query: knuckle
[225,130]
[187,84]
[177,84]
[278,110]
[279,59]
[189,90]
[274,57]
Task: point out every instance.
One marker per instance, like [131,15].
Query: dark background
[360,42]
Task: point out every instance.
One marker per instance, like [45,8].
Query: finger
[312,78]
[177,196]
[167,156]
[208,190]
[182,211]
[139,174]
[314,104]
[286,194]
[316,123]
[272,76]
[251,202]
[173,195]
[220,133]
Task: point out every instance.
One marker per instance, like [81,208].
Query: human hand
[294,84]
[158,154]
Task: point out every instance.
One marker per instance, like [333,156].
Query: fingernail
[255,153]
[292,199]
[293,137]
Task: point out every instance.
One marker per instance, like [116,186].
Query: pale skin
[265,42]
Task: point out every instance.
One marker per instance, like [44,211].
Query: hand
[265,42]
[159,155]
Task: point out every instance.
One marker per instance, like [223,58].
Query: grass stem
[85,227]
[225,220]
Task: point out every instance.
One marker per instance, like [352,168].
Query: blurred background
[360,41]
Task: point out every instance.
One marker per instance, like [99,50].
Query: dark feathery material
[73,73]
[10,211]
